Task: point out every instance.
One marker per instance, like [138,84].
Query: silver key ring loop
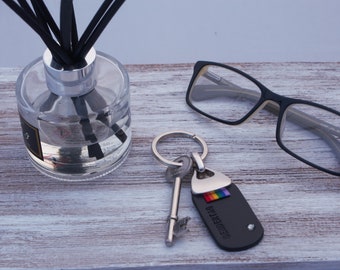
[177,133]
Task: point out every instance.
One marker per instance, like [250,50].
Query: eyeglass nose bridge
[276,104]
[271,101]
[269,95]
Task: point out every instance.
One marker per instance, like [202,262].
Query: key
[227,214]
[177,227]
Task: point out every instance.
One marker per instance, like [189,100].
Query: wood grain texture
[119,221]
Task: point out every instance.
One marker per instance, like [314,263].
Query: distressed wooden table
[118,221]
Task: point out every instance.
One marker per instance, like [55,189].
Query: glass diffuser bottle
[76,121]
[74,103]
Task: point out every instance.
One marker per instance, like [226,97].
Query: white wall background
[181,31]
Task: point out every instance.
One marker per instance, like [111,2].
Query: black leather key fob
[229,218]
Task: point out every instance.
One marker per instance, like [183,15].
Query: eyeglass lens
[313,134]
[224,94]
[308,132]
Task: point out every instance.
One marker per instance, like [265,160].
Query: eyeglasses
[308,131]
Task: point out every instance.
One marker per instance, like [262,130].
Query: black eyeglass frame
[266,96]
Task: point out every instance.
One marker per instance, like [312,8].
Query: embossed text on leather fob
[229,218]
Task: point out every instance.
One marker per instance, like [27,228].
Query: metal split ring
[177,133]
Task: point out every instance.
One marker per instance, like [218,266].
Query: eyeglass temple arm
[322,128]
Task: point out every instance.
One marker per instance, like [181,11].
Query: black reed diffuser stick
[41,9]
[101,19]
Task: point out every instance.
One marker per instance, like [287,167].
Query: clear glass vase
[75,123]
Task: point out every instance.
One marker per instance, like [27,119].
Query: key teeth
[180,227]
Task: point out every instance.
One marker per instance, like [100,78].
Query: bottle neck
[73,82]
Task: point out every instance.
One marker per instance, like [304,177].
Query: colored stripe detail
[216,195]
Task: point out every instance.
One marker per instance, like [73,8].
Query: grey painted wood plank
[120,220]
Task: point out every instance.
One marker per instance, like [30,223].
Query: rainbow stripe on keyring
[216,195]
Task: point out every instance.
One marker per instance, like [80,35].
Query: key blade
[209,180]
[175,226]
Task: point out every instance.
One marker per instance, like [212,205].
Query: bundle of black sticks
[68,51]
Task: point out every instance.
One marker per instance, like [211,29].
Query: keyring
[177,133]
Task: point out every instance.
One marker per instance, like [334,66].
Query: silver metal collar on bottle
[74,82]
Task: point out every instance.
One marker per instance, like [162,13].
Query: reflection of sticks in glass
[94,149]
[95,101]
